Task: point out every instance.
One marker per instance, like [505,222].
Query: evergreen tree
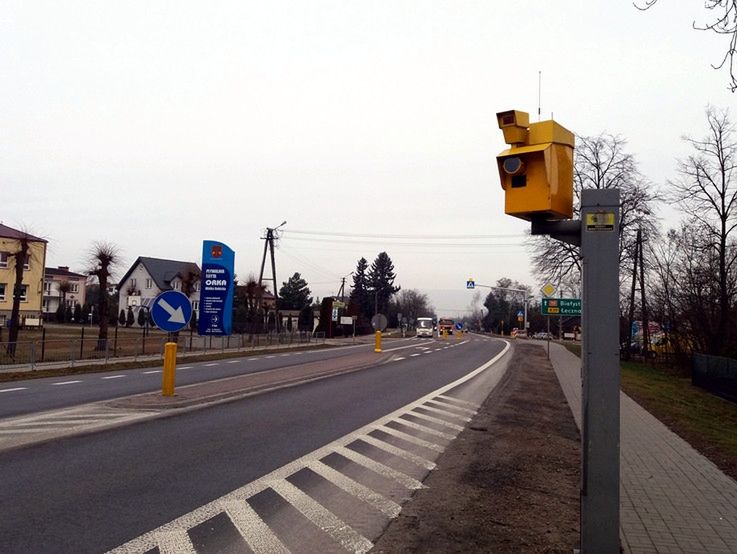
[86,313]
[68,314]
[78,314]
[130,319]
[121,317]
[381,279]
[141,319]
[294,294]
[361,295]
[60,313]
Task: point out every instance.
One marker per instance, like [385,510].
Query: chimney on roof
[64,267]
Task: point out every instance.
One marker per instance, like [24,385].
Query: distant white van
[424,327]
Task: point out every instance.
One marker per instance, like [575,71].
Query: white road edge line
[13,390]
[151,539]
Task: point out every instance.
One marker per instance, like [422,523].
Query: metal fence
[715,374]
[45,353]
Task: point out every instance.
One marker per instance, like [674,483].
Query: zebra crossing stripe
[175,541]
[424,429]
[391,449]
[252,528]
[411,438]
[449,406]
[326,520]
[387,507]
[453,400]
[437,420]
[445,413]
[377,467]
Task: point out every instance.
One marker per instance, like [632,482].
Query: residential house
[57,279]
[148,277]
[33,275]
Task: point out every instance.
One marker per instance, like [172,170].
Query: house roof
[61,272]
[163,272]
[10,233]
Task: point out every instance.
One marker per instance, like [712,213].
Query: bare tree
[706,190]
[723,21]
[102,260]
[601,162]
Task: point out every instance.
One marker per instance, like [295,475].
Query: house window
[2,290]
[47,286]
[195,305]
[46,305]
[74,287]
[149,283]
[133,283]
[3,259]
[24,293]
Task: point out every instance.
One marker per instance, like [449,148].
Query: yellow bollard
[445,334]
[458,335]
[377,348]
[170,365]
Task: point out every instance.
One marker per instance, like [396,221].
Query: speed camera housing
[536,172]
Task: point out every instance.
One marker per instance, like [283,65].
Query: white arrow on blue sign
[171,311]
[470,284]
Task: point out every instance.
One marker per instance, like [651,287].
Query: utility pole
[645,323]
[628,348]
[269,246]
[341,290]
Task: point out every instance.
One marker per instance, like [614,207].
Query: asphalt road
[34,395]
[92,493]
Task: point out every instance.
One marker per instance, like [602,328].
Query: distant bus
[424,327]
[447,325]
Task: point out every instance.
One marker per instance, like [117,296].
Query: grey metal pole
[600,372]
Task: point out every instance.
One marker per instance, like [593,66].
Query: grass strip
[707,422]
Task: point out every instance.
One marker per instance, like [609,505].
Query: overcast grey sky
[155,125]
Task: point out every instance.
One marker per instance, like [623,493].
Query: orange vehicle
[445,324]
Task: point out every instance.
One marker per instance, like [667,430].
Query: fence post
[81,345]
[107,351]
[33,355]
[71,353]
[43,344]
[115,342]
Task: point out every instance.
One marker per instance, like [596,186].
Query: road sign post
[171,311]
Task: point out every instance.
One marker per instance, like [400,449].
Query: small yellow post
[458,335]
[445,334]
[377,348]
[170,365]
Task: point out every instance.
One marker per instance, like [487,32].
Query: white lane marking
[451,407]
[446,413]
[113,376]
[381,503]
[411,438]
[423,429]
[175,541]
[400,358]
[210,365]
[267,357]
[17,431]
[414,345]
[185,367]
[13,390]
[454,400]
[438,349]
[437,421]
[391,449]
[66,382]
[149,540]
[323,518]
[287,354]
[152,371]
[377,467]
[232,361]
[427,352]
[252,528]
[413,355]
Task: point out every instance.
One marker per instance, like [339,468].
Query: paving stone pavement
[673,499]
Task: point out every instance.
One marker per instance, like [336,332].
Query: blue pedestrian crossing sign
[171,311]
[470,284]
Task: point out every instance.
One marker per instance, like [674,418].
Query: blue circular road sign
[171,311]
[459,325]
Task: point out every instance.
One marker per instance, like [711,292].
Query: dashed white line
[66,382]
[399,359]
[413,355]
[113,376]
[232,361]
[185,367]
[13,390]
[210,365]
[152,371]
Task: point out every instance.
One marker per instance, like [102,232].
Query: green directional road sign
[561,306]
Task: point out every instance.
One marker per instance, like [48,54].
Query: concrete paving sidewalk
[673,499]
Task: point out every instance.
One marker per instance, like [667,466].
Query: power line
[395,236]
[430,244]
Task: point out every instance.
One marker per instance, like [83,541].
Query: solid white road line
[113,376]
[66,382]
[13,390]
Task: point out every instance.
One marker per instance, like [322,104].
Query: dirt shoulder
[509,482]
